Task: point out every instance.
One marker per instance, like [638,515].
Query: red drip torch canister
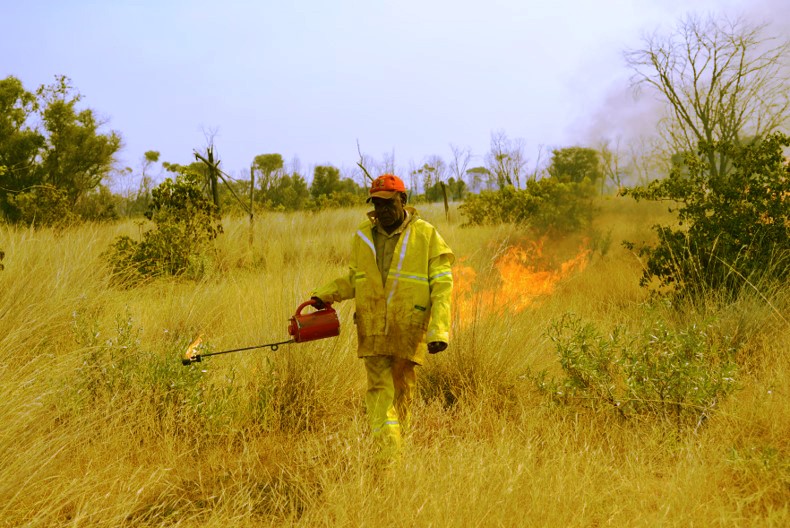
[315,325]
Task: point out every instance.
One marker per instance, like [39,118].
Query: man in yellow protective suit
[401,281]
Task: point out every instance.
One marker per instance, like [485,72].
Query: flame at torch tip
[191,350]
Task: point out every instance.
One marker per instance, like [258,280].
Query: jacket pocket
[420,316]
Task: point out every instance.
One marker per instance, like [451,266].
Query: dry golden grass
[100,425]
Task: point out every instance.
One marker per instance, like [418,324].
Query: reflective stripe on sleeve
[417,278]
[441,276]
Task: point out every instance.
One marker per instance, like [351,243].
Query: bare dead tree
[361,163]
[460,161]
[212,166]
[723,82]
[433,171]
[611,158]
[506,159]
[534,175]
[387,165]
[646,160]
[414,177]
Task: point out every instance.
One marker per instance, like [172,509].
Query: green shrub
[116,368]
[732,229]
[337,199]
[43,205]
[186,223]
[675,375]
[546,206]
[98,205]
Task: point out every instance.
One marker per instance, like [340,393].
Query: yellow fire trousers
[391,386]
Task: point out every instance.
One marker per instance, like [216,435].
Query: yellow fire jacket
[412,308]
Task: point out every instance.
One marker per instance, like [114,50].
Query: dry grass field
[101,425]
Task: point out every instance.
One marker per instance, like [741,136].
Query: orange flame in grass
[523,277]
[192,348]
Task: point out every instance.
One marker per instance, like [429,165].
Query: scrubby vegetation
[587,383]
[732,229]
[672,412]
[544,206]
[185,224]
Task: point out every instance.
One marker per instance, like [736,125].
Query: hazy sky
[309,78]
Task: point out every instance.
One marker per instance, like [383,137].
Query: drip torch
[319,324]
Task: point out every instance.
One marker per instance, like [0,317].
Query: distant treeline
[57,166]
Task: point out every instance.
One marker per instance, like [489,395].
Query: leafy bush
[186,223]
[547,206]
[731,228]
[117,368]
[98,205]
[43,205]
[676,375]
[53,152]
[337,199]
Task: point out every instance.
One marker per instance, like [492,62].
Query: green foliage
[478,177]
[20,143]
[456,191]
[268,168]
[561,203]
[196,170]
[151,156]
[98,205]
[186,223]
[675,375]
[576,164]
[731,228]
[46,142]
[290,193]
[281,190]
[326,179]
[268,163]
[77,156]
[546,206]
[43,205]
[115,367]
[329,191]
[337,199]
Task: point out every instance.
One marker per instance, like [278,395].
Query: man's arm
[440,282]
[341,288]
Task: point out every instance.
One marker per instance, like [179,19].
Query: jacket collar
[411,215]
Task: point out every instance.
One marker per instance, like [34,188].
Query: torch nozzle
[192,356]
[191,359]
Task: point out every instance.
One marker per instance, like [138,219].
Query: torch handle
[199,357]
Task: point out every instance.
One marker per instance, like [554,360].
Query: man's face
[389,212]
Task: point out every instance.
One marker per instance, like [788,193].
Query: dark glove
[434,347]
[318,304]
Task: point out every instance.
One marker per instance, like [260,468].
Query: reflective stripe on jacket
[412,307]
